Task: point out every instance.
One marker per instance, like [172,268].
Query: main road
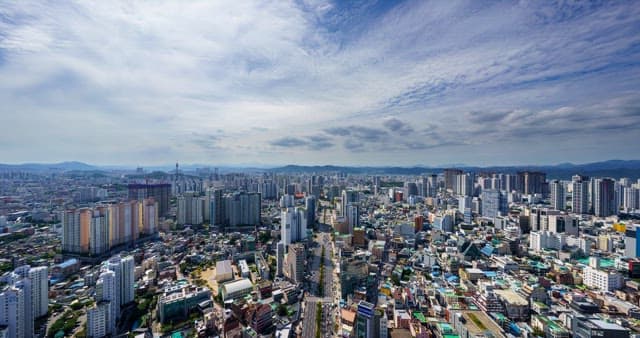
[329,282]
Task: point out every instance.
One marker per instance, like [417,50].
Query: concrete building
[293,225]
[604,280]
[75,230]
[224,271]
[541,240]
[236,289]
[296,258]
[190,209]
[604,197]
[177,300]
[494,203]
[106,294]
[39,288]
[592,327]
[12,312]
[160,192]
[365,321]
[556,188]
[348,197]
[580,194]
[98,320]
[515,306]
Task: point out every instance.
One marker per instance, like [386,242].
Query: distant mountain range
[62,166]
[611,168]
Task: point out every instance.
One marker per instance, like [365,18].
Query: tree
[282,310]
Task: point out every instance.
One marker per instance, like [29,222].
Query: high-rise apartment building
[580,194]
[556,189]
[450,177]
[190,209]
[13,301]
[532,182]
[631,198]
[293,225]
[160,192]
[604,197]
[348,197]
[242,209]
[99,231]
[98,319]
[76,224]
[39,288]
[107,310]
[310,206]
[464,184]
[494,203]
[150,216]
[296,257]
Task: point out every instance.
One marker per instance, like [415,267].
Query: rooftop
[511,297]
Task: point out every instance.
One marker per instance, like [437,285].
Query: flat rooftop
[477,322]
[511,297]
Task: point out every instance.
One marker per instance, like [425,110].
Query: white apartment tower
[12,311]
[580,195]
[293,225]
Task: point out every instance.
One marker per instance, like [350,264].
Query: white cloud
[116,81]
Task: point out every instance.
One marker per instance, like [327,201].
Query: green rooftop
[419,316]
[604,262]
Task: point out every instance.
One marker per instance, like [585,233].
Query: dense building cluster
[455,253]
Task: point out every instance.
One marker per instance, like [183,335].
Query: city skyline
[403,83]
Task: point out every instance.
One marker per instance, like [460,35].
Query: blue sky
[317,82]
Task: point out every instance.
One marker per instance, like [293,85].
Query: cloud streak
[405,81]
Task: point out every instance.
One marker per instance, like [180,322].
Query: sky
[319,82]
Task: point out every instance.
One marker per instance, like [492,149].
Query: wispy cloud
[328,80]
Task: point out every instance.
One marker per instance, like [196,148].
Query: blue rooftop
[68,263]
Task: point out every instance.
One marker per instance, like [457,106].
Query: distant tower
[177,170]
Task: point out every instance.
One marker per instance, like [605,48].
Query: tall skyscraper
[464,184]
[580,194]
[604,198]
[310,206]
[557,195]
[348,197]
[432,189]
[280,258]
[494,203]
[352,216]
[293,225]
[216,207]
[510,183]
